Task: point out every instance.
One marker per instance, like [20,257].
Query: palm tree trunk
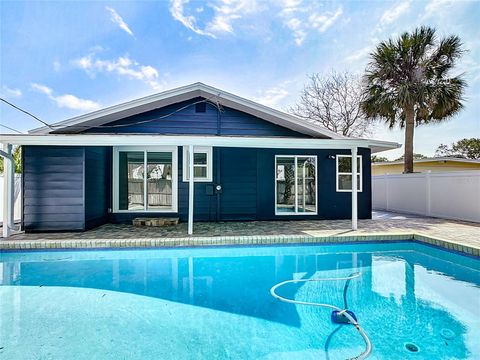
[409,129]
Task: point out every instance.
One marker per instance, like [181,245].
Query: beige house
[439,164]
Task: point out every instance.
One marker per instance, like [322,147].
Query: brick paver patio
[462,236]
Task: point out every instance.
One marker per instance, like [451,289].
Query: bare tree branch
[333,101]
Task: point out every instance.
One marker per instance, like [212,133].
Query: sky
[63,59]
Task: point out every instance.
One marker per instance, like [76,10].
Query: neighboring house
[439,164]
[250,162]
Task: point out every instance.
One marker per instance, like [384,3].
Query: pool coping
[238,240]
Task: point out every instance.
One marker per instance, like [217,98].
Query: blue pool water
[214,303]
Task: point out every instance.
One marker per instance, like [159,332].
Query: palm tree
[408,83]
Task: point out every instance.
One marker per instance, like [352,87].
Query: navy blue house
[249,162]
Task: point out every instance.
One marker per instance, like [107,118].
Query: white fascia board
[267,113]
[173,96]
[220,141]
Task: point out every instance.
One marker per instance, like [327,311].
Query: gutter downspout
[8,190]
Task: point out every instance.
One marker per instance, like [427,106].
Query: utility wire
[214,103]
[209,100]
[26,112]
[9,128]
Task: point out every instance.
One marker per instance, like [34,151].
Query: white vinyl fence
[449,195]
[18,198]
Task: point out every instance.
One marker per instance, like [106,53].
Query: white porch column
[8,190]
[354,190]
[191,189]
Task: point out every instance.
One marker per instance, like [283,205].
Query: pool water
[413,301]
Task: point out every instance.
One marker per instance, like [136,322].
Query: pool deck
[463,237]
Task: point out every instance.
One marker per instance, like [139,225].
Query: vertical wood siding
[97,185]
[238,200]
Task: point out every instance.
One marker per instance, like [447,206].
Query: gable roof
[151,102]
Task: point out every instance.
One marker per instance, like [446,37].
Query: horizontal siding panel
[60,151]
[183,119]
[43,217]
[48,160]
[53,188]
[51,177]
[54,226]
[256,132]
[53,209]
[58,169]
[49,201]
[33,185]
[53,193]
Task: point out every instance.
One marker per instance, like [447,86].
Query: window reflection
[296,185]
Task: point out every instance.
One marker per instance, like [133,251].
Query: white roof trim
[173,96]
[224,141]
[439,159]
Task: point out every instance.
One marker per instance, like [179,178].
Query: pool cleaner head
[338,316]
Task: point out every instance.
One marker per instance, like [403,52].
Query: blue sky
[61,59]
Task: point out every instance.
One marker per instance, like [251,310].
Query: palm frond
[412,71]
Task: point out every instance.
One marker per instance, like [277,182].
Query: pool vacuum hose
[339,316]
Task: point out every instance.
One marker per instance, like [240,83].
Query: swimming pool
[214,303]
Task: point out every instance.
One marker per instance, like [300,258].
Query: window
[296,185]
[344,173]
[145,179]
[202,164]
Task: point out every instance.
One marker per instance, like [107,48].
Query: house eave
[183,140]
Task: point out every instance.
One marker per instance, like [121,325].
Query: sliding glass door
[145,180]
[296,185]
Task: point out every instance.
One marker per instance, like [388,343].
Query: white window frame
[198,150]
[145,150]
[359,173]
[296,213]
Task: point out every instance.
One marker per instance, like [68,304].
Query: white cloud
[67,100]
[434,7]
[225,12]
[303,18]
[42,89]
[394,12]
[300,16]
[123,66]
[117,19]
[274,95]
[10,92]
[322,22]
[360,54]
[444,10]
